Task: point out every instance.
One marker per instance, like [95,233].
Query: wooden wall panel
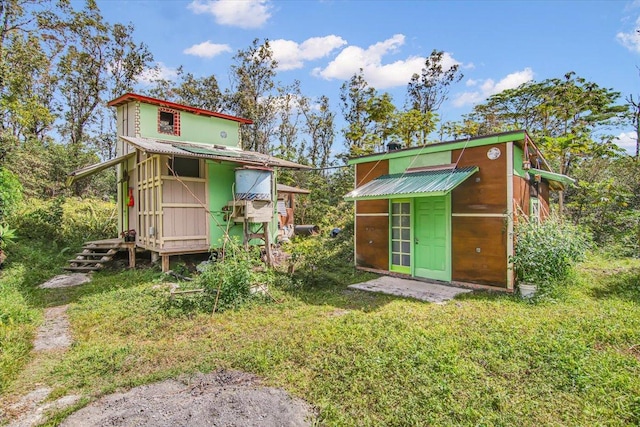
[372,232]
[521,195]
[487,267]
[372,242]
[372,206]
[366,172]
[544,200]
[486,190]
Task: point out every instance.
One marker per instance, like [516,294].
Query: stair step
[88,268]
[88,261]
[94,254]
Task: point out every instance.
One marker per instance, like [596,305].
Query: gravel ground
[223,398]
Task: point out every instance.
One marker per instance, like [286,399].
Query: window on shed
[168,121]
[185,167]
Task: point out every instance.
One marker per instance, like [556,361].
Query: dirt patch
[66,281]
[53,334]
[33,407]
[223,398]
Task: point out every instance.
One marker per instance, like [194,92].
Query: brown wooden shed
[445,211]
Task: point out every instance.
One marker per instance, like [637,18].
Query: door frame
[398,268]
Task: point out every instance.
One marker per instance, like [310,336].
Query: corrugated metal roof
[209,151]
[415,184]
[90,170]
[557,181]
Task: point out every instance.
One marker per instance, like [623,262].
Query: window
[168,121]
[401,236]
[185,167]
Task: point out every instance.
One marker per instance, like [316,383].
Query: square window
[168,121]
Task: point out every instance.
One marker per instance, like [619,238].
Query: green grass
[367,359]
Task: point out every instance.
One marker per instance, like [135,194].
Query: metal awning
[414,184]
[209,151]
[90,170]
[281,188]
[557,181]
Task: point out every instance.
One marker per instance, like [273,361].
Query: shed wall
[372,221]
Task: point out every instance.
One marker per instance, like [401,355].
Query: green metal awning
[414,184]
[90,170]
[557,181]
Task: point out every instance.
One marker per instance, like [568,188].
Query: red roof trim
[128,97]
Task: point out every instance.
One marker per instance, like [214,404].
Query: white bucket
[527,290]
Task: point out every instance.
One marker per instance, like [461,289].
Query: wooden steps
[95,255]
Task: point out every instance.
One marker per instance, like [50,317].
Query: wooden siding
[372,242]
[372,221]
[488,235]
[489,194]
[521,195]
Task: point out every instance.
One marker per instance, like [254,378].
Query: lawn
[362,358]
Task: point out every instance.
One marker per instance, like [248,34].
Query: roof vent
[393,146]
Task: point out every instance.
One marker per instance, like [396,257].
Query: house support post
[132,255]
[165,263]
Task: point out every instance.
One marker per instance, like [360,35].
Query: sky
[322,43]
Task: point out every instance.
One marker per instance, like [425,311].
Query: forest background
[60,64]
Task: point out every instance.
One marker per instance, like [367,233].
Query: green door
[432,238]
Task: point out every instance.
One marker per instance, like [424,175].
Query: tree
[428,90]
[568,117]
[355,95]
[252,94]
[319,126]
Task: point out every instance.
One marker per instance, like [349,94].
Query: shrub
[545,252]
[67,221]
[10,193]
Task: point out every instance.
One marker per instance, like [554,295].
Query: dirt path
[223,398]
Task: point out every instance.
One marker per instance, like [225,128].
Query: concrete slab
[417,289]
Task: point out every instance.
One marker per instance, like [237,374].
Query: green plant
[545,252]
[7,235]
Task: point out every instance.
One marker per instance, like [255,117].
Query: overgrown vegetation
[545,252]
[361,358]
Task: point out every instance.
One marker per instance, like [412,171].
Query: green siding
[192,128]
[221,180]
[518,157]
[443,146]
[401,164]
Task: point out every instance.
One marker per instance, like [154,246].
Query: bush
[544,253]
[67,221]
[10,193]
[227,283]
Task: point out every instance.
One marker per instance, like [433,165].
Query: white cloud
[630,40]
[159,72]
[626,141]
[207,49]
[380,76]
[244,14]
[291,55]
[489,87]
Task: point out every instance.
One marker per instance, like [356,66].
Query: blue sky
[498,44]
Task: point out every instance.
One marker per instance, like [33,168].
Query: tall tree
[253,94]
[428,90]
[567,116]
[319,125]
[355,95]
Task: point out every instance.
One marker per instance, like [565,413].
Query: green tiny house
[178,169]
[445,211]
